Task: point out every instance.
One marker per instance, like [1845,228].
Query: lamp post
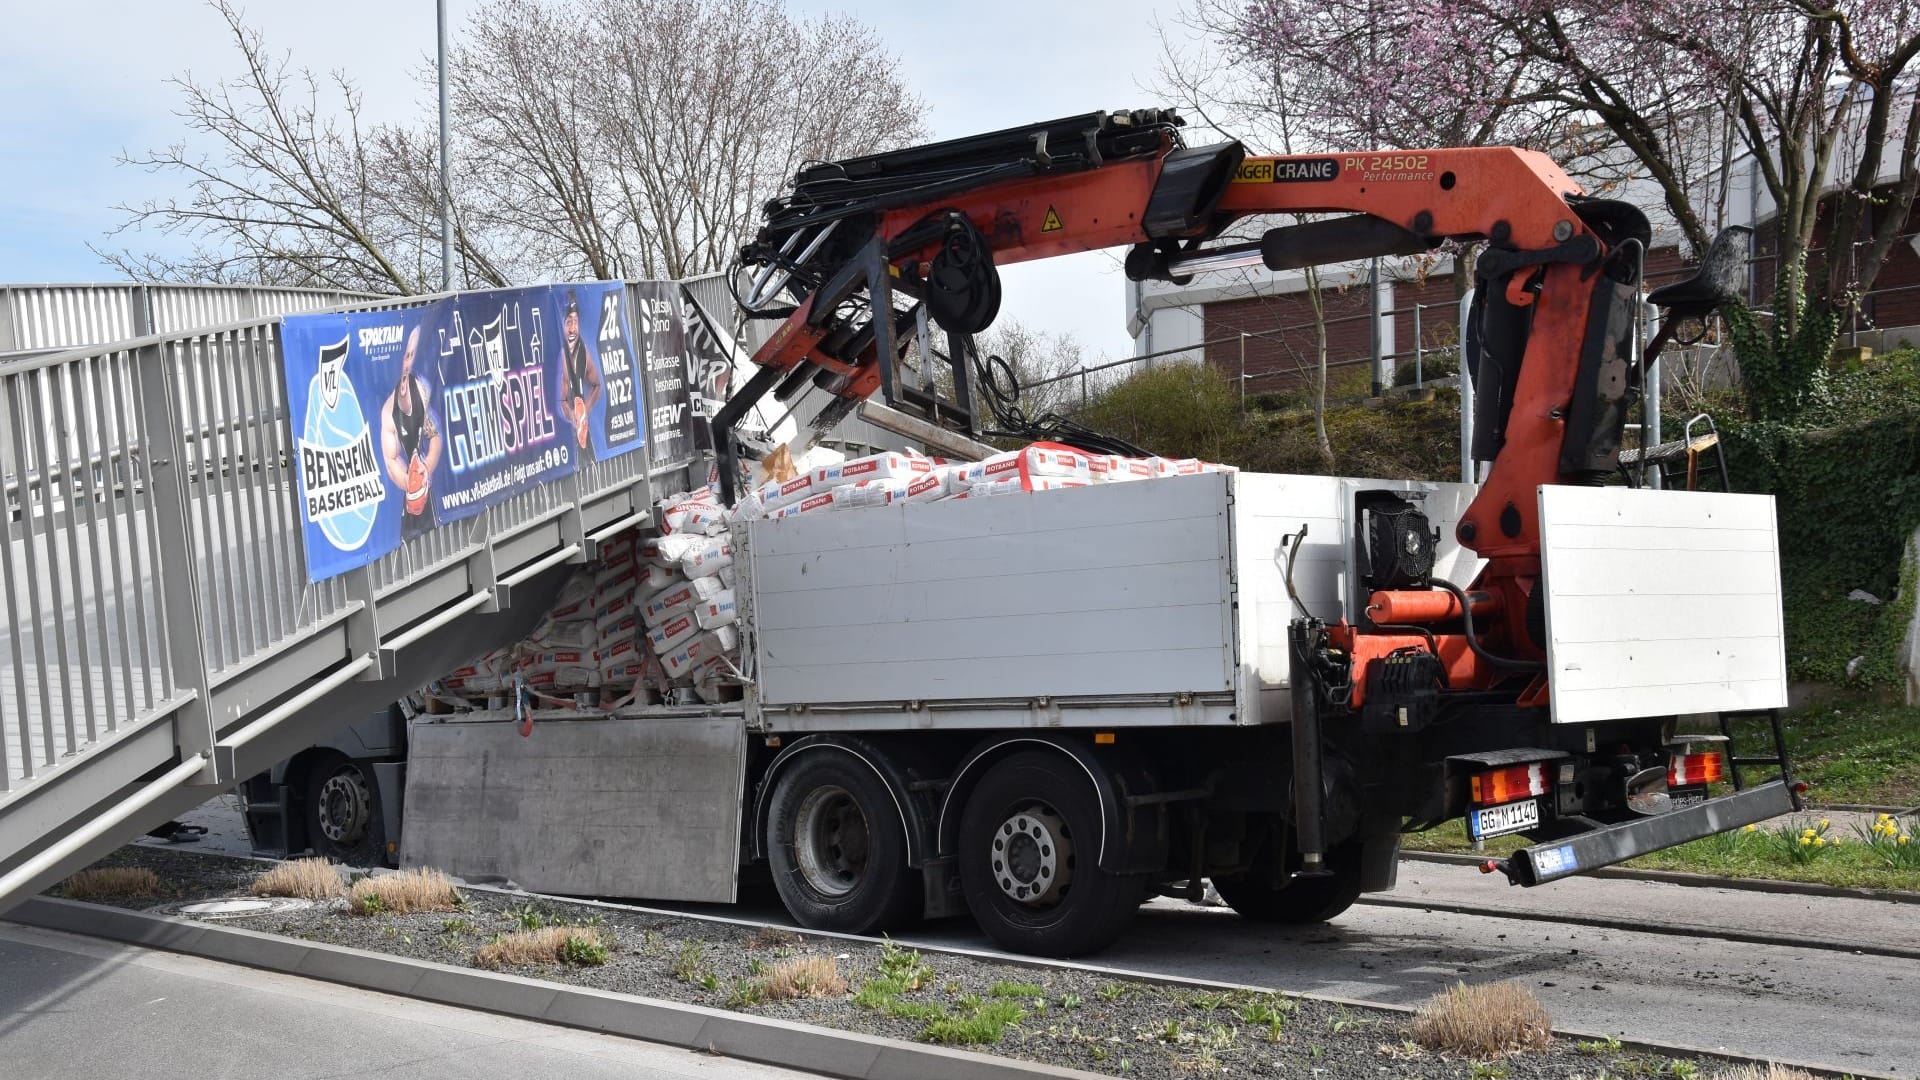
[446,215]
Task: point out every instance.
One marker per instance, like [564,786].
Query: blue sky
[85,79]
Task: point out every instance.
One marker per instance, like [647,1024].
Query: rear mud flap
[1617,843]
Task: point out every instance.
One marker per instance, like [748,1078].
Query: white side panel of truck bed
[1119,589]
[1660,602]
[1270,508]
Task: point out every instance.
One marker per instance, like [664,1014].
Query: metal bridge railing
[153,571]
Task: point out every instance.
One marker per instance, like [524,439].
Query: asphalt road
[1681,985]
[74,1007]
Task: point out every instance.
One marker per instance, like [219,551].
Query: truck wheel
[836,847]
[1300,900]
[1029,860]
[342,804]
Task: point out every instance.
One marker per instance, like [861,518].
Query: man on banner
[410,442]
[577,368]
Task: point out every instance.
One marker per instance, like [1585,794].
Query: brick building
[1260,325]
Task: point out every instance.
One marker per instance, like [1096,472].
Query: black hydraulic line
[1473,639]
[1309,796]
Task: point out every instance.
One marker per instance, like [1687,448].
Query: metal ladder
[1677,462]
[1779,759]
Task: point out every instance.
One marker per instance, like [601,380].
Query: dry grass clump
[547,945]
[773,937]
[808,976]
[403,893]
[1768,1071]
[1483,1021]
[306,879]
[113,883]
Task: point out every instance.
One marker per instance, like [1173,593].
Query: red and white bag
[775,494]
[670,634]
[717,611]
[864,493]
[685,597]
[709,558]
[706,645]
[887,466]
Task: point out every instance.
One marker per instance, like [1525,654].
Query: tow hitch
[1611,844]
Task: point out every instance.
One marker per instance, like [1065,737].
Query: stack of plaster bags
[655,620]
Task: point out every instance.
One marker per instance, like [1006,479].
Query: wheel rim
[831,841]
[1032,856]
[345,806]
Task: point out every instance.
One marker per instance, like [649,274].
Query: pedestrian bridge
[161,639]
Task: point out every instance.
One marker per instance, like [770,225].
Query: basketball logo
[339,473]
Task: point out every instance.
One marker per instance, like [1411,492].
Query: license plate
[1506,818]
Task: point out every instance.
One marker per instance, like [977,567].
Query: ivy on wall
[1846,474]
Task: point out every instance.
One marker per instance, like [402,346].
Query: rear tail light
[1507,785]
[1692,770]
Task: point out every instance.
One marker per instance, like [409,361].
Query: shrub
[579,945]
[811,976]
[1434,364]
[403,893]
[1494,1018]
[1174,410]
[305,879]
[113,883]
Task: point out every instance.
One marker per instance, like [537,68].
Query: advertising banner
[408,419]
[669,371]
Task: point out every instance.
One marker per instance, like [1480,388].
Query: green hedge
[1189,410]
[1846,475]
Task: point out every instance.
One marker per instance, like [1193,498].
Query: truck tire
[342,809]
[837,849]
[1029,860]
[1298,901]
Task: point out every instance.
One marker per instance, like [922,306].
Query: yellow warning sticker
[1052,221]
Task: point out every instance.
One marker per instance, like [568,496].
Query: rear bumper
[1616,843]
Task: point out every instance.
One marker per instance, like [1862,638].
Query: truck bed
[1148,603]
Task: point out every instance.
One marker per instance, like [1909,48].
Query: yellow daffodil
[1824,823]
[1904,838]
[1819,841]
[1751,828]
[1805,840]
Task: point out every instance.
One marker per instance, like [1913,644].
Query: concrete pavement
[74,1006]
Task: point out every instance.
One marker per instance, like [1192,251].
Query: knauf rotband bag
[705,645]
[775,494]
[715,555]
[864,493]
[684,597]
[670,634]
[716,612]
[887,466]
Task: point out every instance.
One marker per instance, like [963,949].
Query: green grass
[1855,750]
[983,1022]
[1016,990]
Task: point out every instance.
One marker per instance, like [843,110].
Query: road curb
[805,1047]
[801,1046]
[1676,877]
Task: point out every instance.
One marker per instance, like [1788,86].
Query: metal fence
[153,563]
[40,317]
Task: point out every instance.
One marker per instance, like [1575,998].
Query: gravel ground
[1075,1019]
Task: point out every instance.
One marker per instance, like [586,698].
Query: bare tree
[289,192]
[628,138]
[597,138]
